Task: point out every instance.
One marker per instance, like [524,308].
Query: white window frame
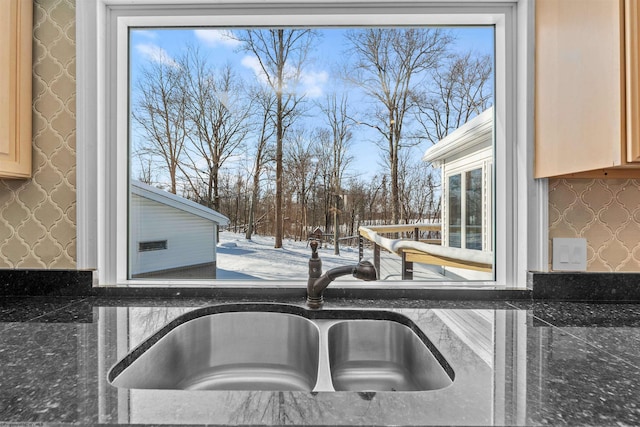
[521,202]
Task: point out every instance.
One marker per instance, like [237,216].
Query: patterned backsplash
[37,216]
[606,213]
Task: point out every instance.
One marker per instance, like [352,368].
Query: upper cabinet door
[632,56]
[582,88]
[16,23]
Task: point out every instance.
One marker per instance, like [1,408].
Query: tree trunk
[395,189]
[279,136]
[253,202]
[336,244]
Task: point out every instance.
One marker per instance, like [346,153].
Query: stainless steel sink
[280,347]
[230,351]
[381,355]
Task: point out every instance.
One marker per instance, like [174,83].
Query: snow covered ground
[241,259]
[257,259]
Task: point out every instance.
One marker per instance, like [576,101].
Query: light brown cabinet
[587,88]
[16,23]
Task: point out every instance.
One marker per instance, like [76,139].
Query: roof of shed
[169,199]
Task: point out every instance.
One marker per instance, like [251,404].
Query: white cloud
[216,38]
[252,63]
[155,53]
[311,83]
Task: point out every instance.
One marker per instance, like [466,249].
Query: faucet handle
[314,248]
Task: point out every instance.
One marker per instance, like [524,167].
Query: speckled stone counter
[515,363]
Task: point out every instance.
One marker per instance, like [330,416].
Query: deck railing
[425,252]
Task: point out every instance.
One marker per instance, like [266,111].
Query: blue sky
[164,45]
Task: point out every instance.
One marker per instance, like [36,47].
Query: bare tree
[302,169]
[419,188]
[264,110]
[462,89]
[281,54]
[389,64]
[219,111]
[146,171]
[377,190]
[239,192]
[358,199]
[337,118]
[160,111]
[323,190]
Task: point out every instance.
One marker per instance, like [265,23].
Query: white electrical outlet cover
[569,254]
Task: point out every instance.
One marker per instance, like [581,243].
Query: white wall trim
[86,156]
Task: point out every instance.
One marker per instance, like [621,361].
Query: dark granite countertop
[515,363]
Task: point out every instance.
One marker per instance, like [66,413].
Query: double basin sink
[278,347]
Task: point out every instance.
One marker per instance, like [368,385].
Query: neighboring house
[465,159]
[170,235]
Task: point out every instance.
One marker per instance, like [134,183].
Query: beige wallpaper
[37,216]
[606,213]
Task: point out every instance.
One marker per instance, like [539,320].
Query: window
[473,209]
[454,216]
[465,214]
[103,27]
[203,121]
[156,245]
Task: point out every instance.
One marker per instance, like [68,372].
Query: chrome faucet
[318,282]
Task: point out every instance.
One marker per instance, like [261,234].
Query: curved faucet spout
[317,283]
[365,271]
